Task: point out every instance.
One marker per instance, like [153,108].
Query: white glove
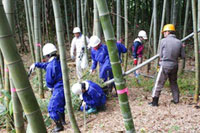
[72,57]
[91,71]
[83,104]
[32,67]
[81,97]
[50,89]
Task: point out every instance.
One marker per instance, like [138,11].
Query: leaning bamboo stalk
[116,65]
[19,75]
[65,76]
[37,43]
[196,51]
[145,62]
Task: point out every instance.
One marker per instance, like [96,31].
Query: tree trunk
[19,75]
[116,65]
[61,44]
[38,44]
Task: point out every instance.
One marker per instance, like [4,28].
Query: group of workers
[91,93]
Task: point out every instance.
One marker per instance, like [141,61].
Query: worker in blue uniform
[54,83]
[121,49]
[92,95]
[99,54]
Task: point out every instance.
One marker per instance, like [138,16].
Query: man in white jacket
[80,46]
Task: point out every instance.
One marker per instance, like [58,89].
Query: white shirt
[78,44]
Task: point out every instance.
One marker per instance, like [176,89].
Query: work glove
[50,89]
[92,71]
[72,57]
[135,61]
[83,104]
[32,68]
[81,97]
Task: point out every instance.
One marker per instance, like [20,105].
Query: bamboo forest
[99,66]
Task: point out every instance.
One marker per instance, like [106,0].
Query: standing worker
[170,50]
[92,95]
[121,49]
[54,82]
[78,43]
[137,49]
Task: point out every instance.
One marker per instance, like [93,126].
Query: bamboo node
[22,89]
[28,114]
[117,62]
[104,14]
[119,83]
[14,62]
[123,103]
[127,119]
[6,36]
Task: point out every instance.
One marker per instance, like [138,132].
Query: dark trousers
[163,75]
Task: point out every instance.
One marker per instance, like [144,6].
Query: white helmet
[76,89]
[48,48]
[94,41]
[142,34]
[76,30]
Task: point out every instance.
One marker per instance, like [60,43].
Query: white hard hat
[143,34]
[76,89]
[48,48]
[94,41]
[76,30]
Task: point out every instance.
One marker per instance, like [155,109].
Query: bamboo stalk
[116,65]
[155,27]
[126,33]
[184,32]
[66,21]
[196,50]
[118,20]
[97,26]
[65,76]
[78,16]
[19,76]
[31,17]
[29,31]
[37,43]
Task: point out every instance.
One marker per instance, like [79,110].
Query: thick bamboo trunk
[37,43]
[61,44]
[196,51]
[19,75]
[116,65]
[29,3]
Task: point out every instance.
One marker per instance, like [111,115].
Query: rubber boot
[154,101]
[62,118]
[59,127]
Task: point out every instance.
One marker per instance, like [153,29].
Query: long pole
[196,51]
[61,44]
[119,20]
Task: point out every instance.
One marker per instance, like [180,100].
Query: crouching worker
[55,84]
[92,95]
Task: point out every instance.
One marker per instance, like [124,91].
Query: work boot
[175,102]
[92,110]
[59,127]
[154,101]
[62,118]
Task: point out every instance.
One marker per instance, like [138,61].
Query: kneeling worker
[93,96]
